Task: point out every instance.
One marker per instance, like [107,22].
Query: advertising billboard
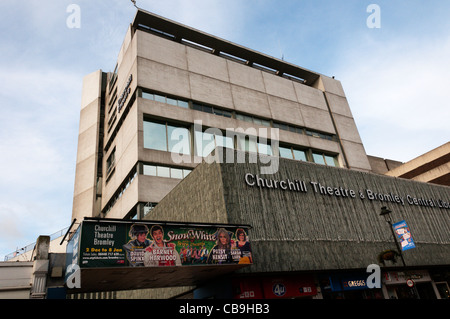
[111,243]
[403,233]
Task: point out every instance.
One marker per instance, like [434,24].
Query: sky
[392,59]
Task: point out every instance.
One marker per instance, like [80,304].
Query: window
[286,127]
[299,155]
[155,136]
[325,159]
[206,142]
[166,137]
[110,162]
[165,99]
[165,171]
[292,153]
[320,135]
[251,144]
[286,152]
[252,119]
[211,110]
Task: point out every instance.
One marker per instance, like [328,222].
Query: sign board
[403,233]
[117,243]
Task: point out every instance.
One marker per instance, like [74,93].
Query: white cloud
[398,93]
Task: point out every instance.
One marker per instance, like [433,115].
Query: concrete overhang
[116,279]
[145,20]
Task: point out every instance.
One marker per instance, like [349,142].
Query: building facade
[316,229]
[171,79]
[191,128]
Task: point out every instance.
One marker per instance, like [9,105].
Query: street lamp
[386,213]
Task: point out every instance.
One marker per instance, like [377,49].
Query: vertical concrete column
[40,268]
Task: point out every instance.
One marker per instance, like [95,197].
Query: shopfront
[275,287]
[411,284]
[348,285]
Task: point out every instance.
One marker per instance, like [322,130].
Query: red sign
[274,287]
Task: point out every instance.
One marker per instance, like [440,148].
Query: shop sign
[289,287]
[322,189]
[127,244]
[403,233]
[399,277]
[348,282]
[124,96]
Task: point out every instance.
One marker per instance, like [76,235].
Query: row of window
[165,171]
[239,116]
[167,137]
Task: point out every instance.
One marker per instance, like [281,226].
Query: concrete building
[191,128]
[431,167]
[170,77]
[318,226]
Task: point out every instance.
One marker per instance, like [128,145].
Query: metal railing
[29,247]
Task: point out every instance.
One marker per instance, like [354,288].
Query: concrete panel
[285,111]
[208,90]
[338,104]
[250,101]
[164,110]
[324,145]
[85,175]
[127,159]
[161,50]
[278,86]
[310,96]
[207,64]
[347,129]
[154,189]
[298,140]
[317,119]
[246,76]
[89,115]
[91,88]
[356,156]
[163,78]
[83,204]
[87,143]
[125,45]
[377,164]
[331,85]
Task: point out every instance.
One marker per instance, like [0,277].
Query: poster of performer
[135,248]
[160,252]
[141,244]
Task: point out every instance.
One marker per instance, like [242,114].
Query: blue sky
[395,78]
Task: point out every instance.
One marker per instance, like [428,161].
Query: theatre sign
[323,189]
[105,243]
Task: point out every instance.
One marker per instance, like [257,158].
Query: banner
[403,233]
[139,244]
